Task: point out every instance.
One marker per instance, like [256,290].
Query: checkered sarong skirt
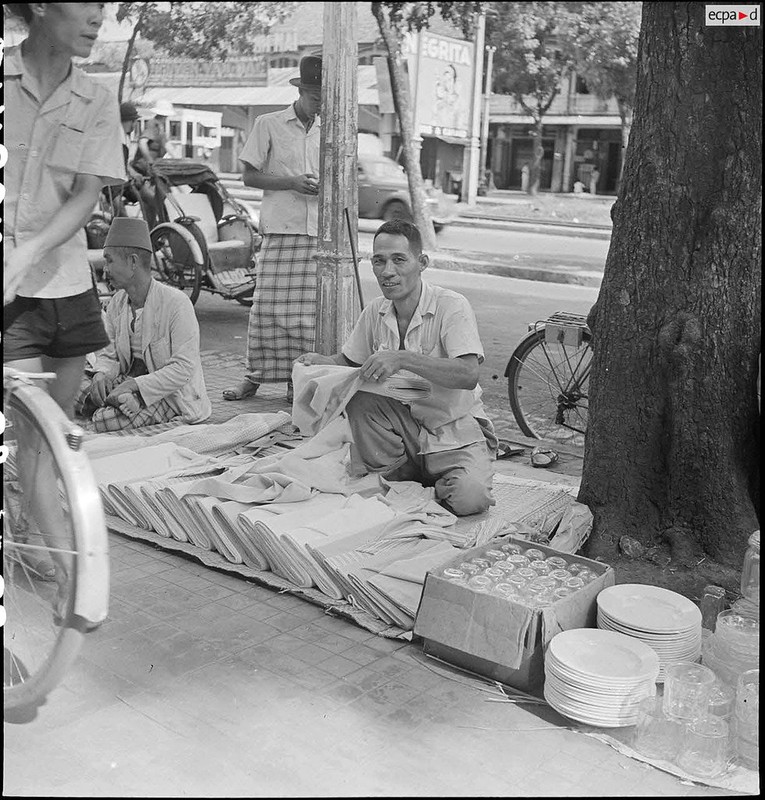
[282,323]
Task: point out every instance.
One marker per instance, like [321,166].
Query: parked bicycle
[548,378]
[55,546]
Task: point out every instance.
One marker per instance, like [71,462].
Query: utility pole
[472,152]
[486,108]
[338,303]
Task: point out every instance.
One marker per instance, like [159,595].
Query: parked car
[384,193]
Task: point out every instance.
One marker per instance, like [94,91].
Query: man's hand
[380,366]
[310,359]
[99,389]
[16,266]
[305,184]
[126,387]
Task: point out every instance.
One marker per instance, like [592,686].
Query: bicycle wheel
[177,258]
[547,387]
[51,512]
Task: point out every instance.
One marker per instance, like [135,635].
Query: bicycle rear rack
[564,328]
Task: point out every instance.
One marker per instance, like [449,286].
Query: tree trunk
[402,103]
[671,454]
[538,151]
[128,54]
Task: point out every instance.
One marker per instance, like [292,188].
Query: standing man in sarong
[281,157]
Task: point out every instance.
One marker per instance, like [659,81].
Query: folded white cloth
[321,392]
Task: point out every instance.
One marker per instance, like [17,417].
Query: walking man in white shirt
[281,157]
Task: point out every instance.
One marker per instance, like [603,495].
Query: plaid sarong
[282,323]
[108,419]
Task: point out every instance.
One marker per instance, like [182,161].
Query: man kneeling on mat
[445,440]
[151,371]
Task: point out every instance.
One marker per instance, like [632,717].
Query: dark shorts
[62,327]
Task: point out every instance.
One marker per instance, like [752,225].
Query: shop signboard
[444,83]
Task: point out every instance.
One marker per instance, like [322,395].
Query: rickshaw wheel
[177,259]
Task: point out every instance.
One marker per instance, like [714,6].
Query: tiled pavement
[204,684]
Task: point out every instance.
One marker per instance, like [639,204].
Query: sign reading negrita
[444,83]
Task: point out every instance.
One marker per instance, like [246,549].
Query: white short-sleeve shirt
[76,131]
[279,145]
[443,326]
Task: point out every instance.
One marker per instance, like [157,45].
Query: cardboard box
[499,638]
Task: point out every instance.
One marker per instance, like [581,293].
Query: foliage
[205,30]
[607,48]
[416,16]
[534,52]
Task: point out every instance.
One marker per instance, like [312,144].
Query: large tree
[208,31]
[606,46]
[392,19]
[672,449]
[535,52]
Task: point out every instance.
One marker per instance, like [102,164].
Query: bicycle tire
[547,387]
[177,259]
[44,628]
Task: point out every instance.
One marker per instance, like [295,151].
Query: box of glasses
[492,610]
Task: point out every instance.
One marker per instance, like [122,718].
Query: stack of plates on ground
[665,620]
[599,677]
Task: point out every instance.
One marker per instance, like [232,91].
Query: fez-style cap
[129,232]
[310,73]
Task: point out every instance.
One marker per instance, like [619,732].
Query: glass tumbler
[519,560]
[494,555]
[560,575]
[505,566]
[470,569]
[748,700]
[557,562]
[494,573]
[540,567]
[575,568]
[722,701]
[511,549]
[687,689]
[534,555]
[481,563]
[704,748]
[480,583]
[526,573]
[656,735]
[455,575]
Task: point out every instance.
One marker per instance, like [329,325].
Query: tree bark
[403,106]
[671,453]
[128,54]
[538,151]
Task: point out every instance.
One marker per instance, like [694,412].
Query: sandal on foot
[543,457]
[244,390]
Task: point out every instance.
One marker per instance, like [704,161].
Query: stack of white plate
[599,677]
[663,619]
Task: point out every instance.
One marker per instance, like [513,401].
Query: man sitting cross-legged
[445,440]
[151,370]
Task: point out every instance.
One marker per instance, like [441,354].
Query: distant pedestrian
[281,157]
[152,145]
[594,178]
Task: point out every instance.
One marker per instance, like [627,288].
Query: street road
[503,307]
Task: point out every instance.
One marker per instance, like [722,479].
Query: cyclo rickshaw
[203,237]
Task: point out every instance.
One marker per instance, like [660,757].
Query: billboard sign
[444,78]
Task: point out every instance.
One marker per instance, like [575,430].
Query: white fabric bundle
[321,392]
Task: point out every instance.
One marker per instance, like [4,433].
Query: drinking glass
[527,573]
[481,563]
[722,701]
[534,555]
[516,580]
[704,747]
[494,573]
[748,699]
[506,590]
[494,555]
[687,689]
[575,568]
[540,567]
[455,575]
[480,583]
[656,735]
[560,575]
[471,569]
[505,566]
[519,560]
[561,592]
[511,549]
[574,583]
[557,562]
[587,576]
